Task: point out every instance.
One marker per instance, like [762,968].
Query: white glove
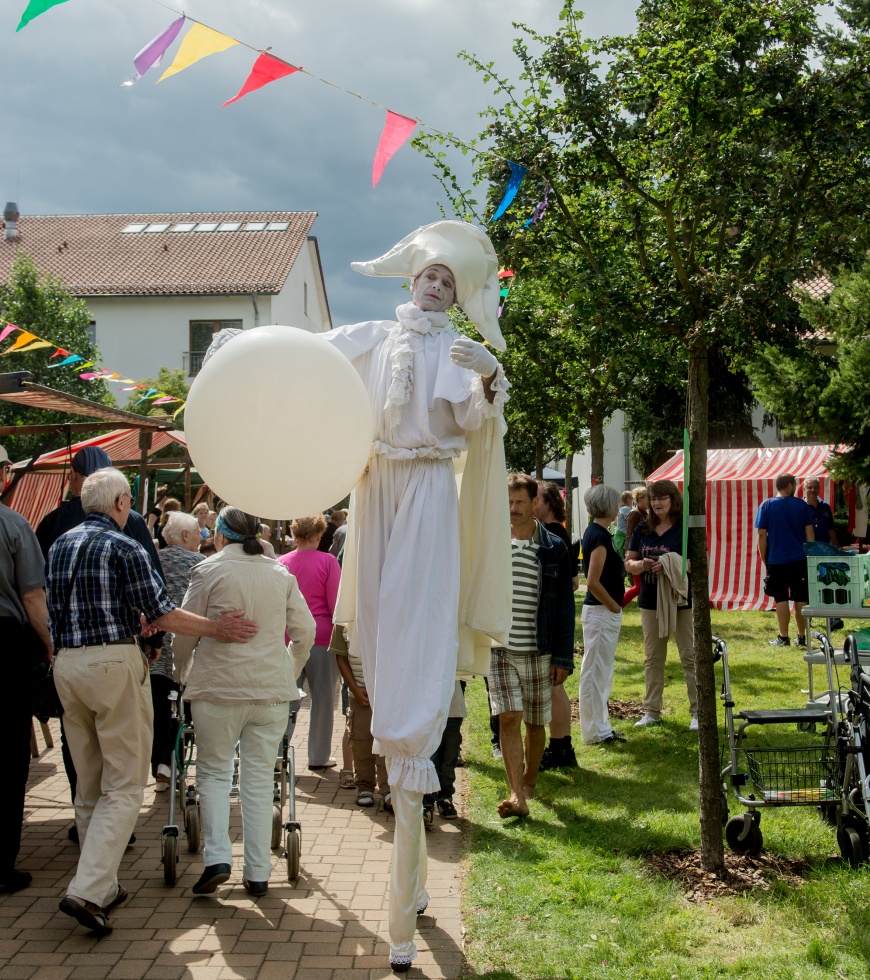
[468,353]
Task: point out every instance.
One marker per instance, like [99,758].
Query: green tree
[37,302]
[820,387]
[167,382]
[697,168]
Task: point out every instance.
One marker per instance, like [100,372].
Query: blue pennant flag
[517,173]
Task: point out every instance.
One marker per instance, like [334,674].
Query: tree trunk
[569,490]
[539,459]
[712,854]
[596,444]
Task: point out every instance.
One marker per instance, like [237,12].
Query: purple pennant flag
[151,54]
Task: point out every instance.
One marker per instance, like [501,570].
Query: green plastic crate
[839,580]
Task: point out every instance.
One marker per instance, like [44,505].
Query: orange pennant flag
[20,341]
[36,345]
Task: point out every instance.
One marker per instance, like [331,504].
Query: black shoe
[428,816]
[446,809]
[73,834]
[15,881]
[560,757]
[612,738]
[800,641]
[836,624]
[255,888]
[400,967]
[547,760]
[781,641]
[212,876]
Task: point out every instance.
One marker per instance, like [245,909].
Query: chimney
[10,213]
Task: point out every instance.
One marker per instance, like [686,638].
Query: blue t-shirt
[823,521]
[784,519]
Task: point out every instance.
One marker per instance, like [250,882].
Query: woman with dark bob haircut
[240,693]
[660,533]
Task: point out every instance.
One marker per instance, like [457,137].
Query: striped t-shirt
[524,599]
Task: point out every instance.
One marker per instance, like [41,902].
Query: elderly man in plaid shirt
[103,593]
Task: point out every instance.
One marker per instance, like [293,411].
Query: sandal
[345,779]
[121,897]
[388,802]
[86,914]
[366,798]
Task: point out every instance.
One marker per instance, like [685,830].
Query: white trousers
[408,872]
[108,721]
[258,729]
[600,635]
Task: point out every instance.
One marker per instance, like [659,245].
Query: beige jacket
[263,671]
[672,592]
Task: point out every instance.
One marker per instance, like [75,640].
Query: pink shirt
[317,573]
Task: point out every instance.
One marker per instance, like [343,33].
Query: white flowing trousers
[600,635]
[407,518]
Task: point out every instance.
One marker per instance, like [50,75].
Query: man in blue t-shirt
[784,522]
[823,516]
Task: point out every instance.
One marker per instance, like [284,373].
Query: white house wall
[137,335]
[289,307]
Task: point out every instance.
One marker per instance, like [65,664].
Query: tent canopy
[738,480]
[41,490]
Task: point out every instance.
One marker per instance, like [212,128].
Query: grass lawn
[567,893]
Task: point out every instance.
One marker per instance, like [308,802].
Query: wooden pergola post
[144,445]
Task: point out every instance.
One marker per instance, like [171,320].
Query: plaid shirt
[114,583]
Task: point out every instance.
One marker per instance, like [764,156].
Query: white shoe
[647,720]
[693,725]
[496,751]
[163,778]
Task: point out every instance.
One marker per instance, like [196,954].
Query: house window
[92,331]
[201,333]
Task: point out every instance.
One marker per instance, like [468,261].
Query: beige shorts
[521,682]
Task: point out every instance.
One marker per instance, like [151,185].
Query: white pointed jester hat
[467,252]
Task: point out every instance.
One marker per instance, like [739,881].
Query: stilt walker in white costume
[426,572]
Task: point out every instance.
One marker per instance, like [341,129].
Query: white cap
[4,456]
[467,252]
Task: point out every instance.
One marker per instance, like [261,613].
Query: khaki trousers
[108,722]
[655,649]
[367,766]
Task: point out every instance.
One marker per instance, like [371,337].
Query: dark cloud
[74,142]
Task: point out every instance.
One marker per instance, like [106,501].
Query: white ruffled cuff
[412,773]
[500,386]
[403,955]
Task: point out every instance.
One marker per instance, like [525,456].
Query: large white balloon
[278,423]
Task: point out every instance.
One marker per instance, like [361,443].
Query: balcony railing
[192,362]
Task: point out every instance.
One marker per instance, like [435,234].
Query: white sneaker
[163,778]
[693,725]
[647,720]
[496,751]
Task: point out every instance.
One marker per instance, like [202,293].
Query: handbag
[46,702]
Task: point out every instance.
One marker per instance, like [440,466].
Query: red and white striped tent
[44,487]
[738,480]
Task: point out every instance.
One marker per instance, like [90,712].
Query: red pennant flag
[266,69]
[397,130]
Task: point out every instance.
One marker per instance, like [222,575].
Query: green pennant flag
[685,499]
[34,9]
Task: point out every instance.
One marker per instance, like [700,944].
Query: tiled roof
[94,257]
[817,288]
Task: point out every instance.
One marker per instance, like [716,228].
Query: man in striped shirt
[540,650]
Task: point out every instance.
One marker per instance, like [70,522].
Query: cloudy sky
[74,142]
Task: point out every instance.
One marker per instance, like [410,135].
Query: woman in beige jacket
[240,693]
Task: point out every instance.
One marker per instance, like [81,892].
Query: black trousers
[21,650]
[161,746]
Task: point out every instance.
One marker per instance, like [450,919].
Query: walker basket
[805,776]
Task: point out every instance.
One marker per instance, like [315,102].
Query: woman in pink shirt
[317,573]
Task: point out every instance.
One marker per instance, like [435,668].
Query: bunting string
[27,341]
[202,40]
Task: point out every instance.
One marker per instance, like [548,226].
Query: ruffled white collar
[420,321]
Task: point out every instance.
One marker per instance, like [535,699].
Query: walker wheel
[852,845]
[170,859]
[294,847]
[277,827]
[743,840]
[193,827]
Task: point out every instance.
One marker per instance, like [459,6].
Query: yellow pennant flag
[199,42]
[34,346]
[21,340]
[179,410]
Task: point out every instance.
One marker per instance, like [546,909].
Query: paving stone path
[329,925]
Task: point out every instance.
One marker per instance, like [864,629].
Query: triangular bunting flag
[34,9]
[68,360]
[397,130]
[4,333]
[178,410]
[154,50]
[149,394]
[23,338]
[60,352]
[198,43]
[517,173]
[164,400]
[36,345]
[266,69]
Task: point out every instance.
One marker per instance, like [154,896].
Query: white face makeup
[434,290]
